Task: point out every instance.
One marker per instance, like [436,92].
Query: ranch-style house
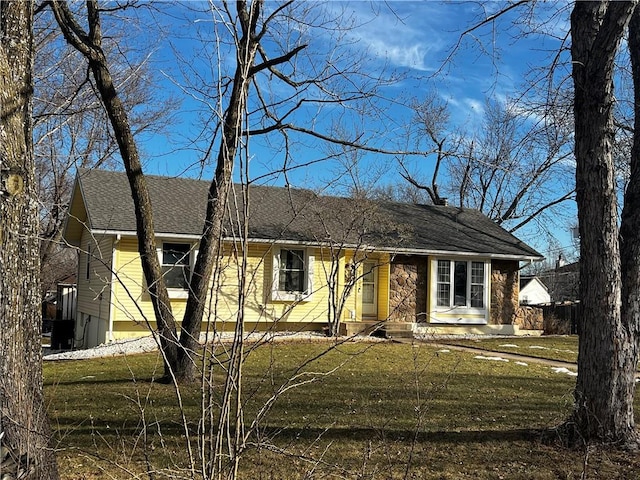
[424,268]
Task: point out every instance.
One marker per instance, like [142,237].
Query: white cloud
[399,33]
[474,105]
[409,56]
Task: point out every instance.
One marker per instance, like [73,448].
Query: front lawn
[389,411]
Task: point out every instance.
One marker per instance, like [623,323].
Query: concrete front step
[362,327]
[398,330]
[398,334]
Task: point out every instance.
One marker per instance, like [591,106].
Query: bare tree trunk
[24,426]
[604,391]
[630,245]
[144,215]
[89,44]
[246,50]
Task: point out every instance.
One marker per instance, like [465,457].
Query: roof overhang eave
[363,247]
[402,251]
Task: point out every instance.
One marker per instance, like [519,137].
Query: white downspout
[112,310]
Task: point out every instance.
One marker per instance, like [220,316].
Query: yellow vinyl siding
[132,304]
[259,306]
[464,319]
[322,271]
[224,307]
[350,305]
[131,307]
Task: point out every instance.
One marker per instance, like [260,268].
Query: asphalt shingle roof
[297,215]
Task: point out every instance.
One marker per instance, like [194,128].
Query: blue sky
[418,43]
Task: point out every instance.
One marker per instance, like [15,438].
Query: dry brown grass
[391,411]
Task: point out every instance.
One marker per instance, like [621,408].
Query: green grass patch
[388,411]
[562,347]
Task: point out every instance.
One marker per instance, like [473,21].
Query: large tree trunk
[210,242]
[24,426]
[89,44]
[630,244]
[144,215]
[604,391]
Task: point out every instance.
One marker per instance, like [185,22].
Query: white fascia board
[130,233]
[453,253]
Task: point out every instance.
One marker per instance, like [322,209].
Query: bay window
[460,284]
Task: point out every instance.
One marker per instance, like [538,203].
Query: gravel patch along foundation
[148,344]
[121,347]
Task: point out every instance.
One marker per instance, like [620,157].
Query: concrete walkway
[483,351]
[507,355]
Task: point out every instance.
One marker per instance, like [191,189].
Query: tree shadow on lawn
[93,380]
[365,434]
[332,434]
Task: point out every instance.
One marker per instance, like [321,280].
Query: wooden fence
[561,318]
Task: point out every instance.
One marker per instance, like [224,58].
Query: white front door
[369,289]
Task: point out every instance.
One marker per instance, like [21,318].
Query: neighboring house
[533,291]
[562,282]
[434,268]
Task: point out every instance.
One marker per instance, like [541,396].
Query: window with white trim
[176,264]
[477,285]
[292,274]
[461,283]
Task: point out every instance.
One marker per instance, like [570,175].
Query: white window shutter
[193,258]
[276,275]
[310,266]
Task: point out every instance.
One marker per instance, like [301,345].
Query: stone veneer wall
[504,292]
[529,318]
[408,289]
